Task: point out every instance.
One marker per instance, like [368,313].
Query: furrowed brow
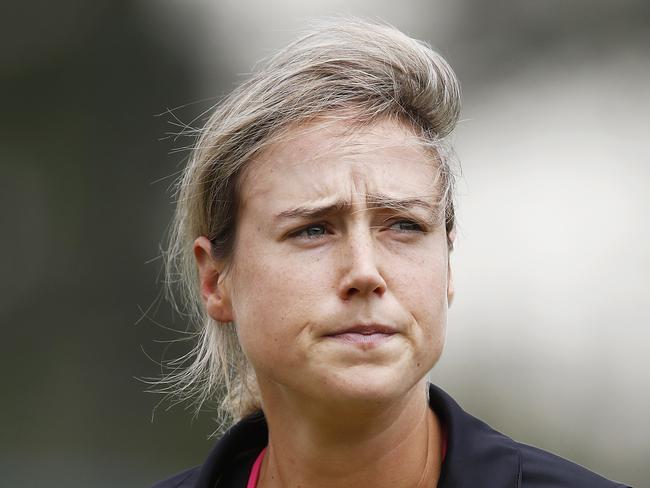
[379,201]
[433,208]
[373,202]
[315,212]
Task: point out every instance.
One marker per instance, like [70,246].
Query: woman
[312,236]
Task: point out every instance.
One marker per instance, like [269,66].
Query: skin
[342,411]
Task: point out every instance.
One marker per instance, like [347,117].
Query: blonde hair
[358,69]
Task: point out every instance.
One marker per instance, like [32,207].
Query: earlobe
[213,286]
[450,285]
[450,275]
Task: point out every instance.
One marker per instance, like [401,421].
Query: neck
[391,445]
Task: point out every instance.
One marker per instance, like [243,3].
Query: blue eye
[312,231]
[406,226]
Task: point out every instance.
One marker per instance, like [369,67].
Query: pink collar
[255,472]
[257,466]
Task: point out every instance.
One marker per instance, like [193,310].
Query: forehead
[324,159]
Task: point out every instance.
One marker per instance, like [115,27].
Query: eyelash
[417,227]
[301,233]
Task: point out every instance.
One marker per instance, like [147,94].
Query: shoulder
[230,460]
[184,479]
[478,456]
[541,469]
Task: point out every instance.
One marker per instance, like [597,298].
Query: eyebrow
[373,201]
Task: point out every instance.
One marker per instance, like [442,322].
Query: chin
[367,385]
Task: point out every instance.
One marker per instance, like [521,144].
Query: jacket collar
[476,453]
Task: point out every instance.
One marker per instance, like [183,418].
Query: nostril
[361,276]
[352,291]
[377,288]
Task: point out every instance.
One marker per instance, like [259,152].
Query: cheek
[421,277]
[272,300]
[423,292]
[427,304]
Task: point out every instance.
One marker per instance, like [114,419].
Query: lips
[366,330]
[365,337]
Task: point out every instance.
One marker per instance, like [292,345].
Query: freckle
[418,364]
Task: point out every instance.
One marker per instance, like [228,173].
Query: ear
[450,275]
[213,286]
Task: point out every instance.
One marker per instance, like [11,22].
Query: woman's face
[340,284]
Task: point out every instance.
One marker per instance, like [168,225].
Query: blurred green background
[548,337]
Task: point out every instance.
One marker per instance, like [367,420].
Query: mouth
[364,336]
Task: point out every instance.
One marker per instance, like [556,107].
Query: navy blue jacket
[477,457]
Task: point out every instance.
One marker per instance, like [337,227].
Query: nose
[360,275]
